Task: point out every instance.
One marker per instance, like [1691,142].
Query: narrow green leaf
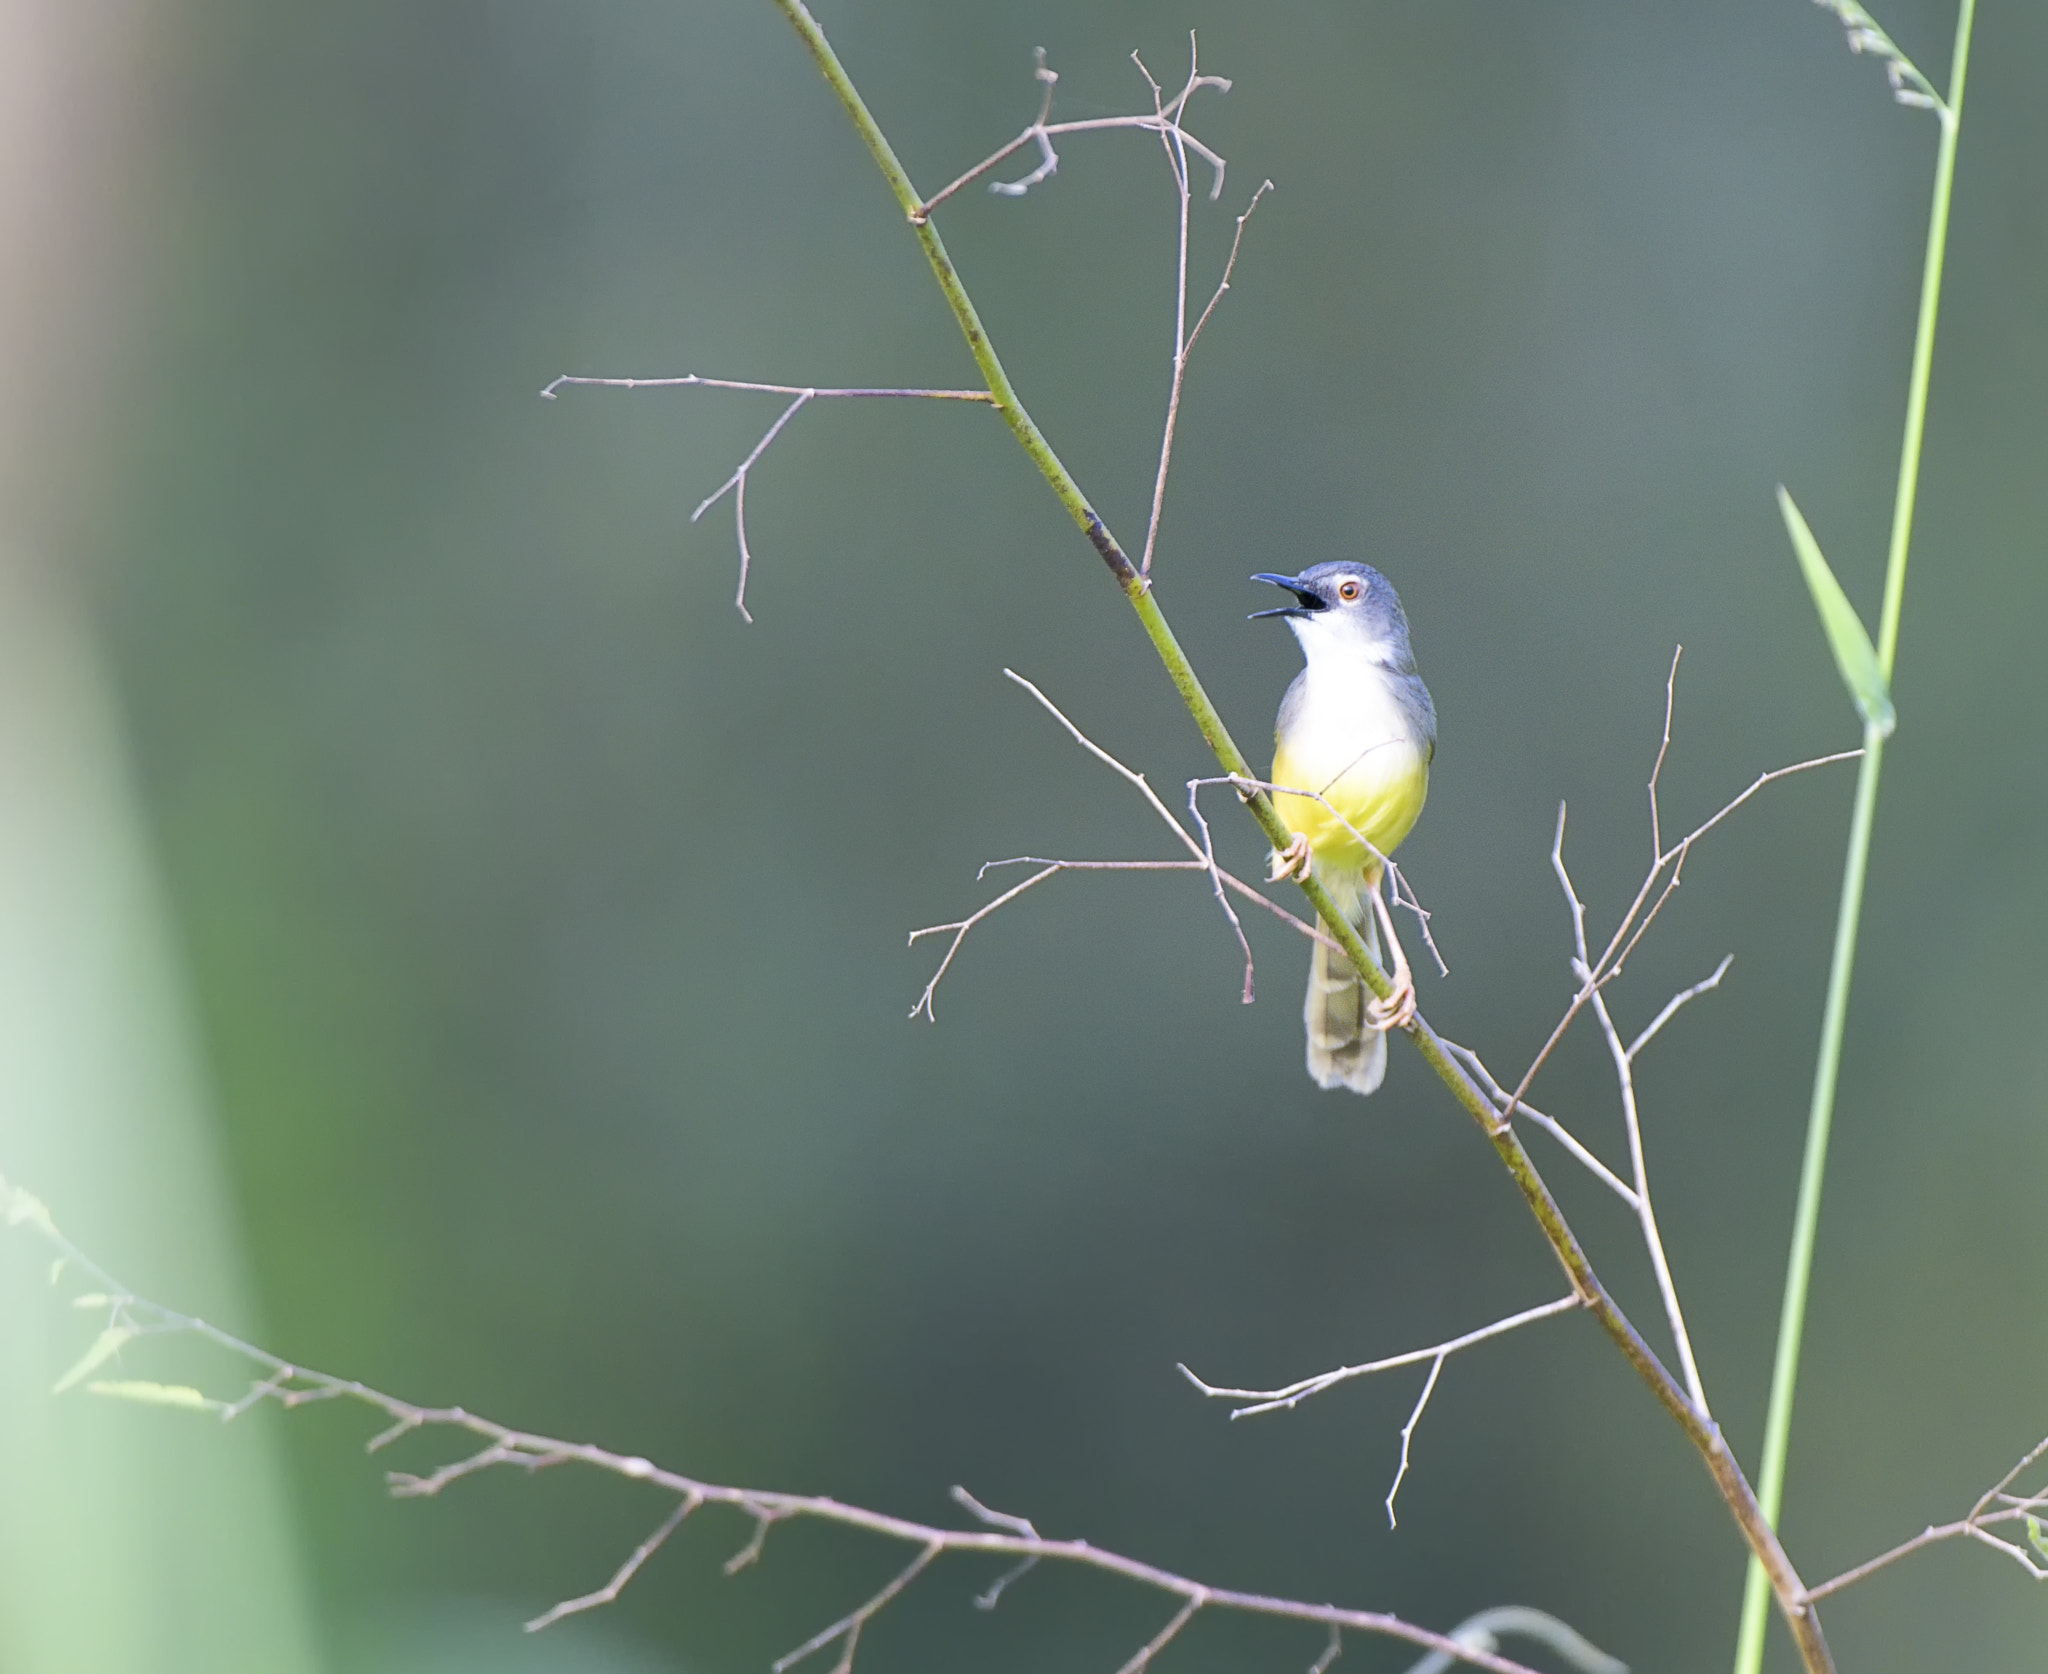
[25,1206]
[91,1299]
[159,1395]
[2035,1535]
[105,1346]
[1847,638]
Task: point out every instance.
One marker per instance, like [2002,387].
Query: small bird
[1358,730]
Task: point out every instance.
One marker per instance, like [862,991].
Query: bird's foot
[1397,1010]
[1290,864]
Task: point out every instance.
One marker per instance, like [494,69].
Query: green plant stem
[1749,1640]
[1699,1427]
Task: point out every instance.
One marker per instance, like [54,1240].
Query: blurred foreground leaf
[105,1346]
[158,1395]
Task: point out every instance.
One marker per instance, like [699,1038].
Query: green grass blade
[1749,1641]
[1855,656]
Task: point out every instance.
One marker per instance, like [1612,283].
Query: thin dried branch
[505,1451]
[994,1519]
[1173,138]
[1142,1659]
[736,484]
[690,380]
[1183,339]
[1216,882]
[623,1574]
[750,1554]
[1436,1367]
[1002,1536]
[1997,1505]
[1039,135]
[1404,896]
[1331,1652]
[992,1595]
[1659,883]
[1255,1401]
[1663,749]
[847,1629]
[1201,850]
[1550,1125]
[1593,975]
[1646,1214]
[960,927]
[1681,998]
[1229,268]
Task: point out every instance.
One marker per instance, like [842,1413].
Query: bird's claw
[1291,863]
[1397,1010]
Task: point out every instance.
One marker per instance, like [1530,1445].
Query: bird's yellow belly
[1375,793]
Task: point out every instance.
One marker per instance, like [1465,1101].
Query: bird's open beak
[1310,601]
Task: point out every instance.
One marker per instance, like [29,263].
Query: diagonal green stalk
[1749,1643]
[1699,1427]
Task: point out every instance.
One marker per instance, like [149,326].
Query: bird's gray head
[1346,608]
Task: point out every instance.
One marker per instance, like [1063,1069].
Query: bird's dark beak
[1309,601]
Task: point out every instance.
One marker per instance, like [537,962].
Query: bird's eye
[1348,591]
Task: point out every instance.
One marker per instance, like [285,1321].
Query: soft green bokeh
[546,923]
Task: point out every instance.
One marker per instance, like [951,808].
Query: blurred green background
[530,931]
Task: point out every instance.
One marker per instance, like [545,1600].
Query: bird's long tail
[1343,1050]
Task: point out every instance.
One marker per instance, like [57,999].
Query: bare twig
[1216,882]
[690,380]
[992,1595]
[960,927]
[1662,879]
[1201,850]
[1550,1125]
[1173,137]
[987,1599]
[748,1555]
[1646,1214]
[1996,1505]
[848,1627]
[1229,267]
[1255,1401]
[1672,1005]
[994,1519]
[1039,134]
[1436,1367]
[1663,749]
[1142,1659]
[1666,869]
[736,484]
[1405,897]
[625,1572]
[1002,1535]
